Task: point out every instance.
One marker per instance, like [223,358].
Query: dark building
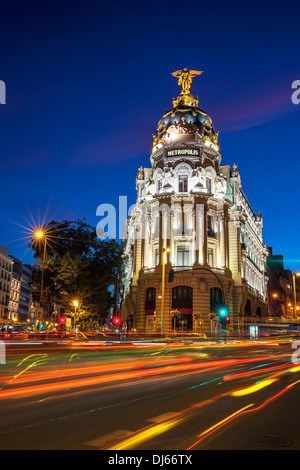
[281,298]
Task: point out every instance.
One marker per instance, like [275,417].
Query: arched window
[258,311]
[150,298]
[182,297]
[182,301]
[216,298]
[247,309]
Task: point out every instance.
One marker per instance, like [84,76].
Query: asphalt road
[177,396]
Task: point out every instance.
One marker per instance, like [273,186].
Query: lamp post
[75,303]
[40,234]
[165,250]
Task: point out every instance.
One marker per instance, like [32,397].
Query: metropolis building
[191,218]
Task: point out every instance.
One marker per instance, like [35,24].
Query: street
[149,396]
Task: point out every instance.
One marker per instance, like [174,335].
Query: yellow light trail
[253,388]
[242,411]
[138,439]
[225,420]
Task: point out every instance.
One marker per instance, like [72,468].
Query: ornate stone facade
[192,217]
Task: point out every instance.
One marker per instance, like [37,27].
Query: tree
[78,265]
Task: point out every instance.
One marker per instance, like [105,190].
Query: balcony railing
[182,268]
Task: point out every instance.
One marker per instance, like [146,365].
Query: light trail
[235,415]
[144,434]
[92,381]
[253,372]
[253,388]
[174,419]
[84,370]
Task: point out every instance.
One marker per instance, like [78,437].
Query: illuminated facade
[6,265]
[14,298]
[192,218]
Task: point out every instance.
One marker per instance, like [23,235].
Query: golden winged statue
[185,77]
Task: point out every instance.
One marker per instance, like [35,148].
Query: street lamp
[165,250]
[39,235]
[75,303]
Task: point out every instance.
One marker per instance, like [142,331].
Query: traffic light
[171,275]
[223,315]
[116,321]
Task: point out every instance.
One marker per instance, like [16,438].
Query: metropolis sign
[183,152]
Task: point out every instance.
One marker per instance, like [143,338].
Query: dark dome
[191,115]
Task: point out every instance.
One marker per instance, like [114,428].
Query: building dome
[185,118]
[192,117]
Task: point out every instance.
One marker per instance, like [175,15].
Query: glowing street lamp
[76,304]
[40,235]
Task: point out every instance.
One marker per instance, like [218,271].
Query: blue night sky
[87,82]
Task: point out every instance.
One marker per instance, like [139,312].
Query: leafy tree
[77,265]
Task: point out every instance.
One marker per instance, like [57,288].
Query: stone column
[223,242]
[200,233]
[204,261]
[146,240]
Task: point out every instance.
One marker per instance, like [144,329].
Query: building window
[210,226]
[156,257]
[216,298]
[247,309]
[183,256]
[183,184]
[150,298]
[182,297]
[159,185]
[210,256]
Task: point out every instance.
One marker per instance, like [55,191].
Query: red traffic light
[116,320]
[228,319]
[62,320]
